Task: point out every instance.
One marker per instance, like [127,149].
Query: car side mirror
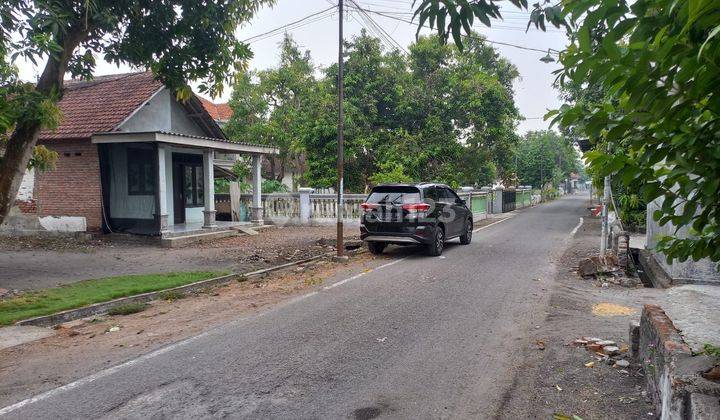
[461,201]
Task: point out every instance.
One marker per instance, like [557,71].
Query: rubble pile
[608,270]
[605,351]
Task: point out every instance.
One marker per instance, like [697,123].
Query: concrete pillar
[305,208]
[162,199]
[209,181]
[256,211]
[497,200]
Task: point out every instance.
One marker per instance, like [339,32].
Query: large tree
[269,106]
[179,40]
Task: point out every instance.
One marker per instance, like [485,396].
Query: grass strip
[76,295]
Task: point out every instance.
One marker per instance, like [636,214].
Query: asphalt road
[418,337]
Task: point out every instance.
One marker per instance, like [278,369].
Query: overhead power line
[380,29]
[293,24]
[507,44]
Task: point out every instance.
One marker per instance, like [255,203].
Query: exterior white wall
[179,121]
[63,223]
[122,205]
[703,271]
[153,116]
[27,186]
[162,113]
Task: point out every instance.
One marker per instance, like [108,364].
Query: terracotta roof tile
[219,112]
[100,105]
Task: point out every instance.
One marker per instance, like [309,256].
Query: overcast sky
[533,92]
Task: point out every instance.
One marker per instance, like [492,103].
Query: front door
[178,193]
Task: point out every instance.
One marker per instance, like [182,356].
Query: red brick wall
[27,206]
[73,187]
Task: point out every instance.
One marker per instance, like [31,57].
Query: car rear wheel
[376,248]
[435,248]
[466,237]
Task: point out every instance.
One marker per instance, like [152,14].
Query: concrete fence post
[498,200]
[488,199]
[305,207]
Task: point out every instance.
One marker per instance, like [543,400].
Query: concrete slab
[638,241]
[695,311]
[704,407]
[247,230]
[15,335]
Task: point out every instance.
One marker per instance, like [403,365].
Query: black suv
[427,214]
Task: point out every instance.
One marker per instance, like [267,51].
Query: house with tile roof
[132,159]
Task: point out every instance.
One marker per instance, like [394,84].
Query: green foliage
[710,350]
[87,292]
[438,114]
[545,157]
[657,124]
[273,186]
[390,173]
[646,75]
[270,106]
[43,159]
[453,17]
[222,185]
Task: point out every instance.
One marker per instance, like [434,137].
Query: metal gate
[508,201]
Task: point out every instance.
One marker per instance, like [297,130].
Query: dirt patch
[33,263]
[86,346]
[611,309]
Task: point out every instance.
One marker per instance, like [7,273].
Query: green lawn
[48,301]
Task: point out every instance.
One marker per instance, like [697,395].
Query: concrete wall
[123,205]
[162,113]
[27,186]
[690,271]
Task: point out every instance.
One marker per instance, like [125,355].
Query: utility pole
[341,139]
[605,228]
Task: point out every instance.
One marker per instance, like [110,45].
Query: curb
[104,307]
[672,372]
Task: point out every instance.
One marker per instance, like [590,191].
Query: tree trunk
[19,148]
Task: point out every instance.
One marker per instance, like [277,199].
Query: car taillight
[416,207]
[368,206]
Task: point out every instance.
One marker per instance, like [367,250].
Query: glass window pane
[188,185]
[199,186]
[149,179]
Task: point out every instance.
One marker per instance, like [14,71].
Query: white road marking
[98,375]
[491,224]
[107,372]
[574,231]
[357,276]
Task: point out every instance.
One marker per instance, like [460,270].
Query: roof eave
[183,140]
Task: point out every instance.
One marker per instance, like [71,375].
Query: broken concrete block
[634,333]
[593,347]
[622,363]
[610,350]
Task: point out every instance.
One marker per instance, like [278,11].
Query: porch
[163,184]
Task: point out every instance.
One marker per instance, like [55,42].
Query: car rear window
[394,195]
